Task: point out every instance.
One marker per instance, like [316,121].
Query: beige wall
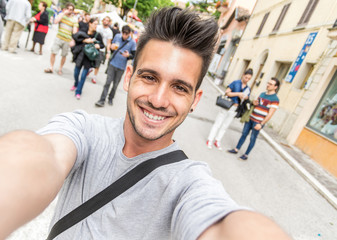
[284,46]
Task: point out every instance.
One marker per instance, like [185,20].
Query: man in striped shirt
[265,107]
[67,26]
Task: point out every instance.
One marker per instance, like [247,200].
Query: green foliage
[216,14]
[202,6]
[144,7]
[35,6]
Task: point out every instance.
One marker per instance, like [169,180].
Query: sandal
[48,70]
[60,72]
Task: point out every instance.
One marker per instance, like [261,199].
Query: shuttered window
[262,24]
[308,12]
[281,17]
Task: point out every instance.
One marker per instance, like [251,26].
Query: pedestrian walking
[80,58]
[85,153]
[67,26]
[83,25]
[18,14]
[237,91]
[41,21]
[115,29]
[265,107]
[125,49]
[106,34]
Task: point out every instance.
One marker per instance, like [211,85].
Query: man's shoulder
[271,97]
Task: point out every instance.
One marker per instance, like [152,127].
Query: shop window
[221,48]
[281,17]
[307,12]
[262,24]
[324,119]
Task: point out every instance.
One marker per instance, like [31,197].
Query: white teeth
[156,118]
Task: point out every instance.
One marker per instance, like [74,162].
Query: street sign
[300,57]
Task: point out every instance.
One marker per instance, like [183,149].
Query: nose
[159,97]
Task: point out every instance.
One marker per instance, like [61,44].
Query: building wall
[269,51]
[231,30]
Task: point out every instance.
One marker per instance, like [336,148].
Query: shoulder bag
[224,102]
[114,190]
[91,51]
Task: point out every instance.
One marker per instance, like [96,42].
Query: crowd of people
[75,32]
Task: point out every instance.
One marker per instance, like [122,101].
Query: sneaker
[232,151]
[93,80]
[99,104]
[243,157]
[73,88]
[209,144]
[78,96]
[110,102]
[217,145]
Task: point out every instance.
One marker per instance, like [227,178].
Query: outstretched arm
[244,225]
[32,171]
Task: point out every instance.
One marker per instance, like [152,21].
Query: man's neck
[136,145]
[271,92]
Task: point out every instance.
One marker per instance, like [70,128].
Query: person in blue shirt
[236,91]
[124,49]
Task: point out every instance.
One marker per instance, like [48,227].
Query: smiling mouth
[152,116]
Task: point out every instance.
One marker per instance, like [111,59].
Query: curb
[294,164]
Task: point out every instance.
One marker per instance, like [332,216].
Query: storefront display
[324,119]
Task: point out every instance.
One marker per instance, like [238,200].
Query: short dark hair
[116,24]
[70,5]
[44,4]
[277,82]
[249,71]
[185,29]
[93,20]
[126,29]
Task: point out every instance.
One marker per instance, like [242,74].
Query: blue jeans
[79,84]
[246,129]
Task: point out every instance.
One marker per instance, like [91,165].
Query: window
[281,17]
[308,12]
[282,71]
[262,24]
[324,119]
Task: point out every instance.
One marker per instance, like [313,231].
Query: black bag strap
[114,190]
[116,51]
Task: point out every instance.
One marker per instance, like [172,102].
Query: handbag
[114,190]
[91,51]
[224,102]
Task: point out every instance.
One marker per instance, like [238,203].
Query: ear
[197,98]
[127,77]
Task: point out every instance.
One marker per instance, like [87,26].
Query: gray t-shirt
[176,201]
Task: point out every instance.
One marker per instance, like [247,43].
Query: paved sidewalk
[324,182]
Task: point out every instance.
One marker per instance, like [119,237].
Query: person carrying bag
[236,92]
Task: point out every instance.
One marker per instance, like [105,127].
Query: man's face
[125,35]
[271,85]
[106,22]
[245,78]
[69,11]
[161,91]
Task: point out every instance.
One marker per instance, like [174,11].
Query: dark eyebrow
[188,85]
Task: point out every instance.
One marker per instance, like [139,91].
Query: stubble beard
[139,133]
